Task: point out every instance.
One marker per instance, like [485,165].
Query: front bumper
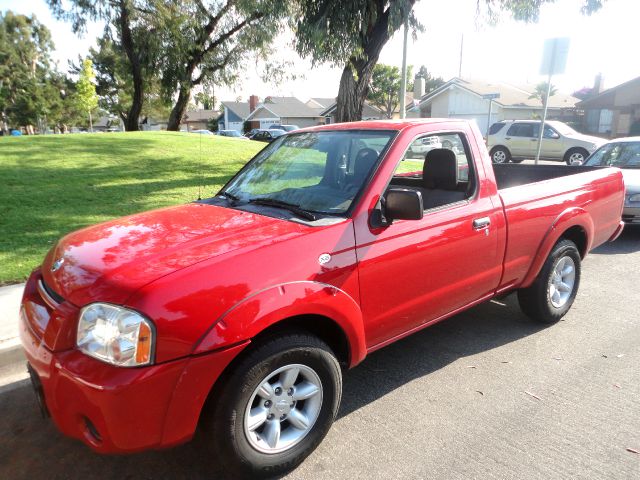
[117,410]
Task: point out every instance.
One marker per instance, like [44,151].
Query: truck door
[415,271]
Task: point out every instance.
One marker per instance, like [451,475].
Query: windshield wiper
[230,196]
[292,207]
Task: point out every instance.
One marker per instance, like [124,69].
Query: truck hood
[110,261]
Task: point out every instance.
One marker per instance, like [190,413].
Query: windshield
[621,155]
[320,172]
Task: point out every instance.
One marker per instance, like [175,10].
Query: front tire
[500,155]
[552,293]
[575,154]
[275,407]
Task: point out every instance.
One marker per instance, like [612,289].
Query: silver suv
[517,140]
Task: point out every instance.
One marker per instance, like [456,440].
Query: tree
[25,71]
[211,41]
[352,34]
[540,92]
[86,90]
[133,36]
[385,88]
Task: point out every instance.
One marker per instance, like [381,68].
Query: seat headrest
[364,162]
[440,170]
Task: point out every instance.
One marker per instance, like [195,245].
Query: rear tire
[573,154]
[300,424]
[552,293]
[500,155]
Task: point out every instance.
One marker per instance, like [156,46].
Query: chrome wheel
[562,281]
[283,408]
[499,156]
[576,157]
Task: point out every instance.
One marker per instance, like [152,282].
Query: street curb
[11,352]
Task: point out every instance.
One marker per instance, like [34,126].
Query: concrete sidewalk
[10,349]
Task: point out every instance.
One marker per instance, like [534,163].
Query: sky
[509,52]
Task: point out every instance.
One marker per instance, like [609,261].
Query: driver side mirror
[403,204]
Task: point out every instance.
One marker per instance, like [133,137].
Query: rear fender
[571,217]
[267,307]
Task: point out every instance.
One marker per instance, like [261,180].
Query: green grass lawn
[51,185]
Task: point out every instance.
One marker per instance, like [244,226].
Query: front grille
[51,292]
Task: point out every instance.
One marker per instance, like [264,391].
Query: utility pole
[461,48]
[403,84]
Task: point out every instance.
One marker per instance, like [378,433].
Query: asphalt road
[486,394]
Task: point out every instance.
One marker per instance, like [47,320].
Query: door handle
[534,139]
[507,138]
[481,223]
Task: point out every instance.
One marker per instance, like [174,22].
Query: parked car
[239,312]
[623,153]
[251,132]
[286,128]
[203,132]
[231,133]
[517,140]
[421,146]
[267,135]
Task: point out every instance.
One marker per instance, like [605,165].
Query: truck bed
[536,197]
[514,175]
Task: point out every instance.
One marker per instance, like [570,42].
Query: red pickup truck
[237,313]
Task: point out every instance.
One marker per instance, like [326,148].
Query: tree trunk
[352,93]
[131,123]
[353,89]
[126,38]
[90,122]
[177,113]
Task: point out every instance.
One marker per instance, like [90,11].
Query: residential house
[614,112]
[285,111]
[234,114]
[200,119]
[460,98]
[369,112]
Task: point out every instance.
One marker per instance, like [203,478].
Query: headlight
[115,335]
[635,197]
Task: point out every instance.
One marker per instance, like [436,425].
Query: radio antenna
[200,176]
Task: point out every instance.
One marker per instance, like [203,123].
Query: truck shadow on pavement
[627,242]
[32,448]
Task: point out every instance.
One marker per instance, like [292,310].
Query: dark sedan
[267,135]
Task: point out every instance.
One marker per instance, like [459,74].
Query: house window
[327,120]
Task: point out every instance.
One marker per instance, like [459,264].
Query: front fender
[571,217]
[267,307]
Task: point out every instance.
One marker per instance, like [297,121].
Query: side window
[495,128]
[513,130]
[446,162]
[522,130]
[549,132]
